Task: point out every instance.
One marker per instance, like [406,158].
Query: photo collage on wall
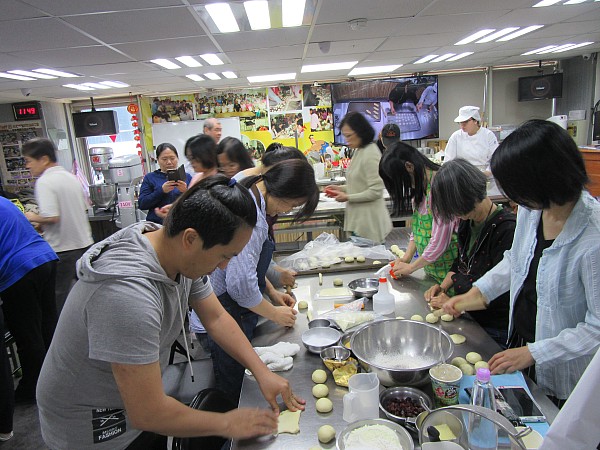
[12,164]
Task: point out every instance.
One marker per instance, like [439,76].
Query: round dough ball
[458,361]
[376,262]
[326,434]
[458,338]
[467,369]
[447,317]
[302,304]
[349,259]
[473,357]
[481,365]
[320,390]
[360,259]
[326,265]
[418,317]
[319,376]
[338,282]
[324,405]
[431,318]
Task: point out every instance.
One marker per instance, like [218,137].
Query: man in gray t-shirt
[100,386]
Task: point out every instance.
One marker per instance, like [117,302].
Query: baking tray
[345,267]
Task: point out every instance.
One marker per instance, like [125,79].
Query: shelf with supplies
[13,135]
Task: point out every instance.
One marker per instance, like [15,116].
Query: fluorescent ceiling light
[229,74]
[79,87]
[547,48]
[165,63]
[521,32]
[95,85]
[195,77]
[574,2]
[496,35]
[258,14]
[459,56]
[329,66]
[425,59]
[212,76]
[188,61]
[374,69]
[274,77]
[115,84]
[292,12]
[570,47]
[212,59]
[475,36]
[545,3]
[16,77]
[222,16]
[57,73]
[27,73]
[442,57]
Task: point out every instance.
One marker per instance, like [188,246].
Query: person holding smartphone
[160,188]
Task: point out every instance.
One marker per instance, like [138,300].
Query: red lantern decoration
[137,137]
[134,123]
[132,108]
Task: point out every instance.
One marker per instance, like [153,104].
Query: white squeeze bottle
[482,432]
[383,301]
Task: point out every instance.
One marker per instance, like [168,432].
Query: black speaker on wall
[95,123]
[540,87]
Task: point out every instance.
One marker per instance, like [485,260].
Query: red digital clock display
[26,111]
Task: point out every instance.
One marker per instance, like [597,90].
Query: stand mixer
[102,192]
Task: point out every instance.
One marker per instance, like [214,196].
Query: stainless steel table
[409,300]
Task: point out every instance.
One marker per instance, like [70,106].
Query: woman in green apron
[407,176]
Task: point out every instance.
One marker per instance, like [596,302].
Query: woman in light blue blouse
[553,267]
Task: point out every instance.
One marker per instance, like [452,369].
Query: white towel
[277,357]
[281,348]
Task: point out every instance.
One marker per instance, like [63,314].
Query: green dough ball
[447,317]
[458,338]
[458,361]
[338,282]
[431,318]
[360,259]
[320,390]
[417,317]
[481,365]
[319,376]
[467,369]
[324,405]
[326,434]
[302,304]
[349,259]
[473,357]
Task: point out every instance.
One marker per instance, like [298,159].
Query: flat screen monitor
[540,87]
[411,103]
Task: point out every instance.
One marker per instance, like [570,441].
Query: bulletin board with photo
[15,175]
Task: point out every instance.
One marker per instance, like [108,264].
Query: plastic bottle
[384,302]
[482,432]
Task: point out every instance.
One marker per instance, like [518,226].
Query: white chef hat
[466,112]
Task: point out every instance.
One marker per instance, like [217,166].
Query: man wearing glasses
[471,142]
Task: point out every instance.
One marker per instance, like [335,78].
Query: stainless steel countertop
[409,300]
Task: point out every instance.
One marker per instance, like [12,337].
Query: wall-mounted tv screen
[540,87]
[411,103]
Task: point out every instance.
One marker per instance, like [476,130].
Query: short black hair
[236,152]
[397,180]
[539,164]
[360,125]
[202,148]
[456,189]
[290,179]
[281,153]
[165,146]
[214,200]
[37,148]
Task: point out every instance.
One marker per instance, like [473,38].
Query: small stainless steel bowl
[317,339]
[364,287]
[337,353]
[406,442]
[400,393]
[319,323]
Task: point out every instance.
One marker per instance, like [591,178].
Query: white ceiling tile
[374,29]
[167,48]
[14,10]
[247,56]
[266,39]
[132,68]
[419,41]
[345,47]
[333,11]
[69,7]
[79,56]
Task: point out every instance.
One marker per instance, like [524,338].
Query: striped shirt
[567,330]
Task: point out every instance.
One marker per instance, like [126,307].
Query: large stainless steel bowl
[406,442]
[103,195]
[400,341]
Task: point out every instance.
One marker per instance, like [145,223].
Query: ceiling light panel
[442,57]
[520,32]
[114,84]
[79,87]
[475,36]
[56,73]
[16,77]
[274,77]
[195,77]
[292,12]
[167,64]
[189,61]
[459,56]
[496,35]
[425,59]
[570,47]
[574,2]
[212,76]
[27,73]
[95,85]
[329,66]
[374,69]
[546,3]
[230,75]
[258,14]
[212,59]
[223,17]
[547,48]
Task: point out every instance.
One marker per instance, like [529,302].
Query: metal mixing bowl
[317,339]
[402,338]
[406,442]
[316,323]
[364,287]
[400,393]
[336,353]
[103,195]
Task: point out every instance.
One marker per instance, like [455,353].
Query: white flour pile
[391,360]
[372,437]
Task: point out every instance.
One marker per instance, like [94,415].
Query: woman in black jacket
[485,232]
